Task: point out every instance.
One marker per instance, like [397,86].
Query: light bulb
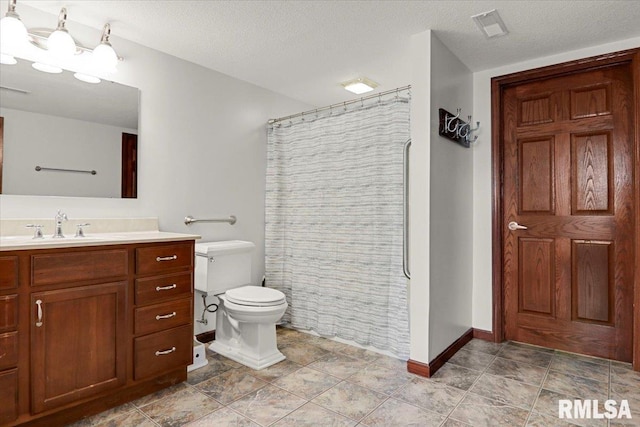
[105,58]
[13,33]
[60,43]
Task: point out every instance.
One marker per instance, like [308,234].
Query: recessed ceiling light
[360,86]
[86,78]
[7,59]
[490,24]
[46,68]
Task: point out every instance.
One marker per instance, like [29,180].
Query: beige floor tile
[223,417]
[573,385]
[580,367]
[472,359]
[394,413]
[339,365]
[302,353]
[276,371]
[180,408]
[430,395]
[350,400]
[307,382]
[382,380]
[480,412]
[518,371]
[509,392]
[230,385]
[483,346]
[456,376]
[267,405]
[526,355]
[311,415]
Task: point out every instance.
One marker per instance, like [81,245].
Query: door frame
[498,85]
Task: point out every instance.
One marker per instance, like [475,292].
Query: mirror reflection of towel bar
[41,168]
[188,220]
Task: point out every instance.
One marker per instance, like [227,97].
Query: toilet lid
[255,296]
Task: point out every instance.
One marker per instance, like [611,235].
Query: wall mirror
[60,136]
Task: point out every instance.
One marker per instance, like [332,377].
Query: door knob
[513,226]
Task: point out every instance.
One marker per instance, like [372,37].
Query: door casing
[498,84]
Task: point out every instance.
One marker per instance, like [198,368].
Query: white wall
[202,148]
[482,244]
[419,180]
[451,206]
[32,139]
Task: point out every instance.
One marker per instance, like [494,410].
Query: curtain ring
[344,104]
[302,116]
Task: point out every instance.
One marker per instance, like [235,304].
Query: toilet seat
[255,296]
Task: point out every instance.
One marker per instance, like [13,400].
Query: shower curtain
[334,204]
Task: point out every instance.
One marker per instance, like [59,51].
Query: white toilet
[247,315]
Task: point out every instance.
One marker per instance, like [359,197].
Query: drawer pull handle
[166,258]
[166,288]
[165,316]
[39,304]
[163,352]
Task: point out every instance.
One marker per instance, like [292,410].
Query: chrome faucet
[60,216]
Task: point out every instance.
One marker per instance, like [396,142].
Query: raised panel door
[78,343]
[568,177]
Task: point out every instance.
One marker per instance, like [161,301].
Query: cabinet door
[78,343]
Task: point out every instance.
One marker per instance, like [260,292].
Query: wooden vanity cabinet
[84,330]
[9,348]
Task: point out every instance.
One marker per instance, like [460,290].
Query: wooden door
[569,178]
[78,338]
[129,179]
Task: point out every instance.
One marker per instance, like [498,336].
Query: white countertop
[12,243]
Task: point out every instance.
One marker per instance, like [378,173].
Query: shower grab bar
[405,211]
[42,168]
[188,220]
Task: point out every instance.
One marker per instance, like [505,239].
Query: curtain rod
[340,104]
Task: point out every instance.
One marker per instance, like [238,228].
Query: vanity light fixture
[52,50]
[360,85]
[12,29]
[60,43]
[490,24]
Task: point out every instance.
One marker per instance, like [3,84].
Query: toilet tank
[223,265]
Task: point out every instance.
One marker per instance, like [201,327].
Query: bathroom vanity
[88,324]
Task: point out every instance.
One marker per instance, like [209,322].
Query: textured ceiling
[304,49]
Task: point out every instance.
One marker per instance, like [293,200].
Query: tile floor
[325,383]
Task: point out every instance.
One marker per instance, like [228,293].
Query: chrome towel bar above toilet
[188,220]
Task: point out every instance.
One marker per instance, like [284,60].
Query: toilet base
[234,354]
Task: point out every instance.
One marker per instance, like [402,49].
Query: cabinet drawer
[8,272]
[8,350]
[154,289]
[68,267]
[8,396]
[158,259]
[158,317]
[8,312]
[163,351]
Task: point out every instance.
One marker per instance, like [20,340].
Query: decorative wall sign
[456,129]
